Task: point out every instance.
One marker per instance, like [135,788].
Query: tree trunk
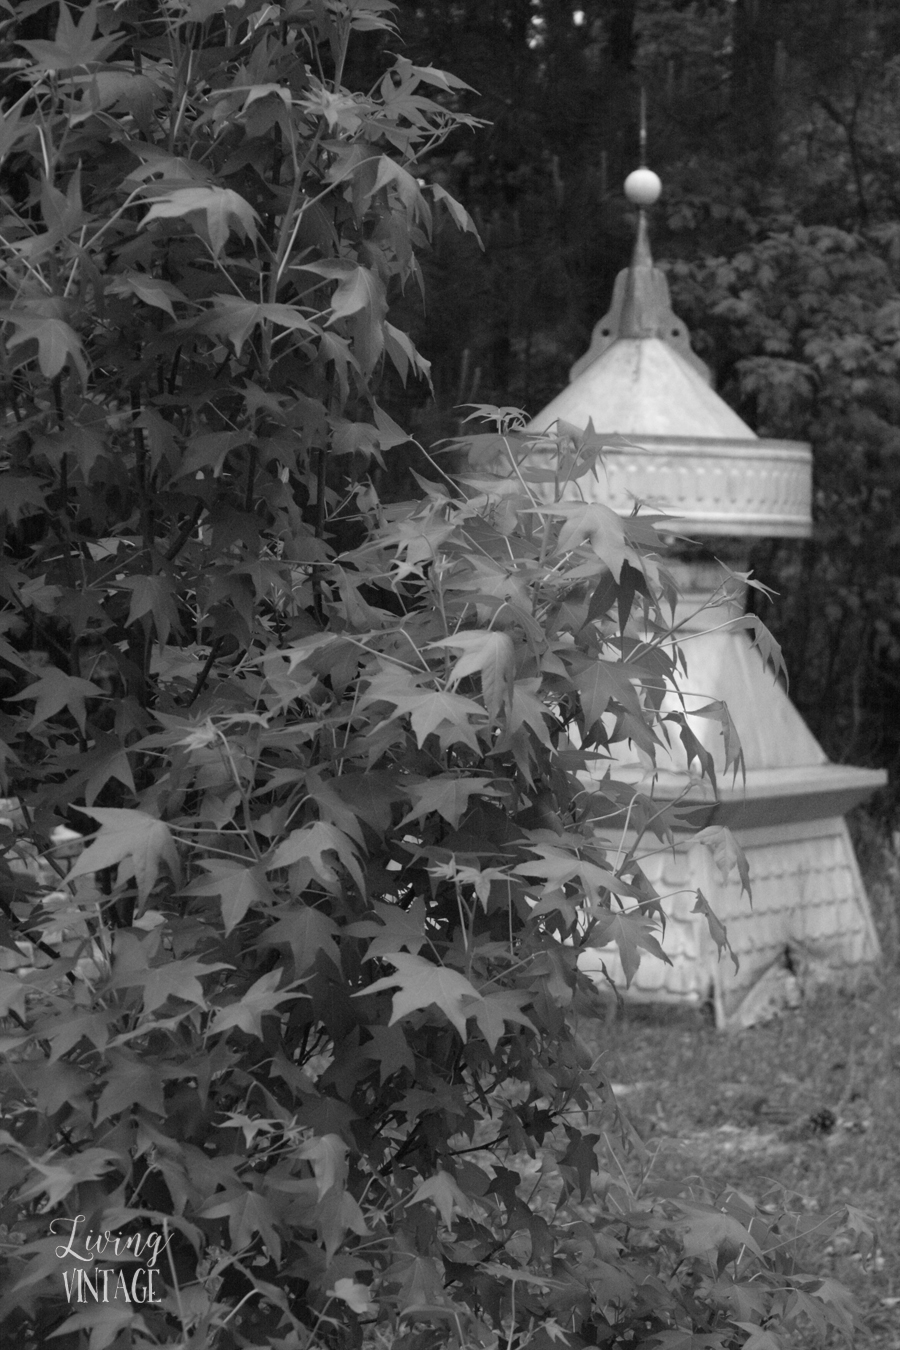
[754,77]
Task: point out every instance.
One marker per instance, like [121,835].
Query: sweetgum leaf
[13,991]
[392,174]
[602,683]
[171,979]
[460,215]
[840,1307]
[223,209]
[582,1157]
[57,1178]
[309,844]
[390,1049]
[248,1214]
[447,715]
[490,655]
[420,1281]
[704,1229]
[336,1213]
[57,343]
[152,290]
[234,318]
[444,1194]
[398,927]
[446,794]
[248,1011]
[55,690]
[493,1011]
[327,1156]
[630,933]
[105,1322]
[130,1079]
[420,984]
[718,931]
[727,853]
[764,642]
[801,1304]
[760,1339]
[74,44]
[307,931]
[734,755]
[594,524]
[358,288]
[153,596]
[238,887]
[137,842]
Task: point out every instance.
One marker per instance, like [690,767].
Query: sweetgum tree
[304,1009]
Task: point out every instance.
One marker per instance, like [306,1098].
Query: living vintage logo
[92,1282]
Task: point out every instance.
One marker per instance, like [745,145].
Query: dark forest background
[775,126]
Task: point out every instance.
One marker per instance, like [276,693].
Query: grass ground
[809,1101]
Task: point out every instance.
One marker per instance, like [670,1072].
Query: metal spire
[641,305]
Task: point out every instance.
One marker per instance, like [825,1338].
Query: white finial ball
[642,187]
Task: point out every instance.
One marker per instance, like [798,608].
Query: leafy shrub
[300,1019]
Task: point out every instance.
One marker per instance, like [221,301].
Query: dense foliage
[302,1015]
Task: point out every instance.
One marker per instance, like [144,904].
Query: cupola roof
[685,449]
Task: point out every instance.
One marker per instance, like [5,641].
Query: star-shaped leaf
[491,656]
[601,683]
[248,1011]
[109,760]
[248,1213]
[54,691]
[447,714]
[131,1079]
[447,795]
[222,208]
[172,979]
[358,287]
[57,343]
[390,1048]
[445,1195]
[558,864]
[307,931]
[309,845]
[594,524]
[493,1011]
[727,853]
[420,984]
[137,842]
[630,932]
[327,1155]
[526,709]
[151,290]
[155,596]
[581,1156]
[703,1230]
[717,930]
[234,318]
[398,928]
[238,887]
[59,1177]
[74,44]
